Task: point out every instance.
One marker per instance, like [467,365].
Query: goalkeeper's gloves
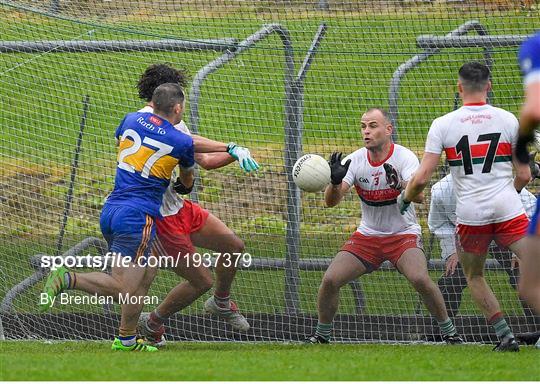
[392,177]
[180,188]
[338,170]
[403,204]
[243,156]
[521,148]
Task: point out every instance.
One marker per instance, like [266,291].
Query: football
[311,173]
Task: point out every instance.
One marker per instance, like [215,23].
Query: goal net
[281,77]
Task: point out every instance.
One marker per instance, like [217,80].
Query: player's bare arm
[205,145]
[418,198]
[523,174]
[214,154]
[421,177]
[219,153]
[215,160]
[333,194]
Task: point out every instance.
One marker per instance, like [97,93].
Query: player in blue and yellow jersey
[149,149]
[529,60]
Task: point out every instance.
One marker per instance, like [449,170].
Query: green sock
[501,328]
[323,330]
[447,327]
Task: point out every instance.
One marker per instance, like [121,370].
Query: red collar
[378,164]
[475,104]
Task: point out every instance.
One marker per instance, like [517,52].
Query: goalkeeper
[378,172]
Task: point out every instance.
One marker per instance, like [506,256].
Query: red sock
[154,321]
[496,317]
[222,299]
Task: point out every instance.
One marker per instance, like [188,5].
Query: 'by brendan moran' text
[123,298]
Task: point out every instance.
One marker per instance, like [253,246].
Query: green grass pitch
[228,361]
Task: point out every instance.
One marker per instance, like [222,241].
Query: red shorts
[476,238]
[374,250]
[173,232]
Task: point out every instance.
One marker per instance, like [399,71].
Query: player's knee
[330,282]
[233,246]
[134,287]
[206,283]
[149,277]
[237,245]
[139,290]
[420,282]
[474,275]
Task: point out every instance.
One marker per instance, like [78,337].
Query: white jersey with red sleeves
[172,203]
[478,141]
[380,213]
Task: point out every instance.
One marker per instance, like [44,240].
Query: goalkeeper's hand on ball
[338,170]
[392,177]
[243,156]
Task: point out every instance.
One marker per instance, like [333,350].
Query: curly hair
[157,74]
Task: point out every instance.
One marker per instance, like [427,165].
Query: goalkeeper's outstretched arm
[333,194]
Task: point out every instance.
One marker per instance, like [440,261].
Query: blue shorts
[534,227]
[129,232]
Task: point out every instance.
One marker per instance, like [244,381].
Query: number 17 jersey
[478,141]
